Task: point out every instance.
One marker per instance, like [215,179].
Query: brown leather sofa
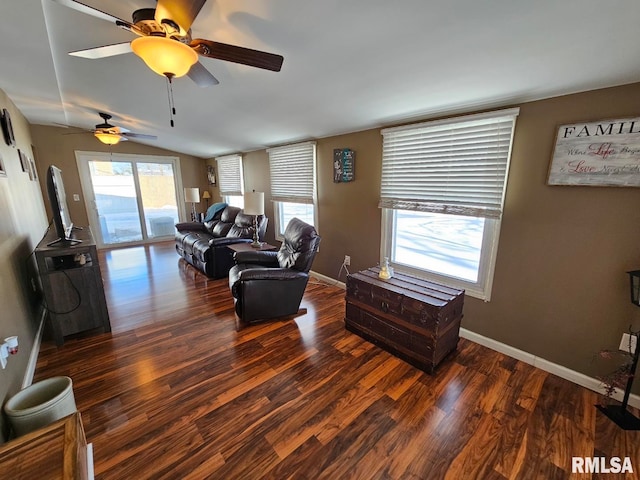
[267,284]
[205,245]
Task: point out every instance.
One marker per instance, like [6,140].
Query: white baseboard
[90,468]
[35,350]
[329,280]
[546,365]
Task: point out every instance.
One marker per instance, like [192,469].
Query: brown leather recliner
[268,285]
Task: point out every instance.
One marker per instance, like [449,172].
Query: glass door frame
[82,160]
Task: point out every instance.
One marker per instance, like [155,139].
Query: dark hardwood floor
[176,392]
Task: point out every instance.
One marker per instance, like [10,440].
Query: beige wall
[22,225]
[560,289]
[54,146]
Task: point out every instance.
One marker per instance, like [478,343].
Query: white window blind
[454,166]
[293,173]
[230,175]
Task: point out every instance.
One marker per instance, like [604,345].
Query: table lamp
[192,195]
[254,205]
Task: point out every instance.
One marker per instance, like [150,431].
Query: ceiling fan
[112,135]
[164,41]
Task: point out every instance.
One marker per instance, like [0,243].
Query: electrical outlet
[347,260]
[76,197]
[628,343]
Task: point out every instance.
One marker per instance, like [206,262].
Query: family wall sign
[604,153]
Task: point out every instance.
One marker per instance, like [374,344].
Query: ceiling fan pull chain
[172,108]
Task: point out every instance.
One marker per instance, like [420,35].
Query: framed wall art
[211,175]
[605,153]
[28,166]
[33,170]
[23,161]
[7,128]
[344,160]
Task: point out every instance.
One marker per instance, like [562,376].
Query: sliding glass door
[130,199]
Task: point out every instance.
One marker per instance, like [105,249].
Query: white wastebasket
[40,404]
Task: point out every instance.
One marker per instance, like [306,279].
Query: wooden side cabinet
[72,285]
[57,451]
[416,320]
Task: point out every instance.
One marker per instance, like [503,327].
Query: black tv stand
[72,284]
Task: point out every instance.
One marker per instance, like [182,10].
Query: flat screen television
[58,198]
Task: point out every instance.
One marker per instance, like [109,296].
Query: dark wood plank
[175,391]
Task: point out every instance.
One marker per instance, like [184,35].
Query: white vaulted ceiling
[348,65]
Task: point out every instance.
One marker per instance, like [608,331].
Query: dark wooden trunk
[416,320]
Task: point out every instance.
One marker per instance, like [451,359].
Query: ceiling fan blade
[182,12]
[104,51]
[77,133]
[232,53]
[94,12]
[201,76]
[138,135]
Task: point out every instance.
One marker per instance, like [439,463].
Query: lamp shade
[108,138]
[206,195]
[254,203]
[164,56]
[192,195]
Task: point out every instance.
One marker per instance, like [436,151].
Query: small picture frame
[33,170]
[7,128]
[211,175]
[26,161]
[23,161]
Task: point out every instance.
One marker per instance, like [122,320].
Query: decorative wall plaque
[344,160]
[602,153]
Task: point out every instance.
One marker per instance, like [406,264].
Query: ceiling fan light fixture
[108,138]
[166,57]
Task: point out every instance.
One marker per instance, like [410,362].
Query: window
[230,180]
[234,200]
[130,199]
[442,194]
[293,184]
